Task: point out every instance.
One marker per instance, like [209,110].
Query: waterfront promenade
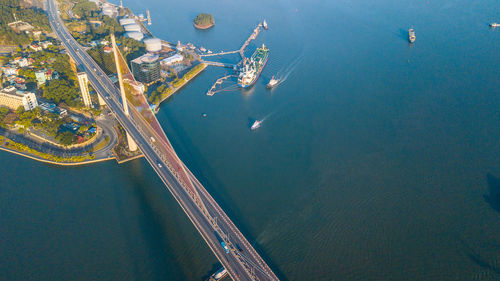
[240,258]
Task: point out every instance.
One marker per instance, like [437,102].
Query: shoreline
[157,108]
[24,154]
[203,27]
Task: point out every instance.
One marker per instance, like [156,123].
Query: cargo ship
[252,67]
[411,35]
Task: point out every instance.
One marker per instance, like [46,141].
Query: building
[9,70]
[172,59]
[107,49]
[125,21]
[146,68]
[132,27]
[84,88]
[21,62]
[35,47]
[40,77]
[13,99]
[153,44]
[135,35]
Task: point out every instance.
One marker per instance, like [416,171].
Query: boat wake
[283,74]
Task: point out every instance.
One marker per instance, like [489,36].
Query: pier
[240,51]
[219,81]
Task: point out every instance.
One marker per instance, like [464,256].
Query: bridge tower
[132,146]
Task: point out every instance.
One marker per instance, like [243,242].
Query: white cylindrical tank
[132,27]
[126,21]
[135,35]
[153,44]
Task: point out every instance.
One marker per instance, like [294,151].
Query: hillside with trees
[32,15]
[204,21]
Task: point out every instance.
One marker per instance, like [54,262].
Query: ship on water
[255,125]
[411,35]
[273,82]
[264,24]
[252,67]
[494,24]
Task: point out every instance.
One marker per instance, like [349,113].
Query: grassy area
[101,144]
[24,148]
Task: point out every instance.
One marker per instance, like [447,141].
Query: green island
[204,21]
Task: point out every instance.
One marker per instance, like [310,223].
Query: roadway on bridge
[242,261]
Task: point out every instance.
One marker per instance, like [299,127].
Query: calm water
[376,161]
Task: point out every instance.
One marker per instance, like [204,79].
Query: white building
[133,27]
[109,10]
[172,59]
[126,21]
[135,35]
[13,99]
[153,44]
[83,81]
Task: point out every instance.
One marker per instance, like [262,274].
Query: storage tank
[135,35]
[126,21]
[132,27]
[153,44]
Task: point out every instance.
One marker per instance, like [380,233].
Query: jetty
[240,51]
[219,81]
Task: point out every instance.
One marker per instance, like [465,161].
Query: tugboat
[411,35]
[494,24]
[255,125]
[273,82]
[264,24]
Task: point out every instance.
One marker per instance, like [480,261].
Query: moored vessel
[253,67]
[411,35]
[273,82]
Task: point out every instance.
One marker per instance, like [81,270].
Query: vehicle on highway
[153,139]
[159,165]
[226,248]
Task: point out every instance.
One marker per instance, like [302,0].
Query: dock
[240,51]
[219,81]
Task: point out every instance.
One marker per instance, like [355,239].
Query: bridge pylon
[132,146]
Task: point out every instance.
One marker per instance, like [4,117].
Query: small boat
[273,82]
[203,49]
[209,51]
[255,125]
[264,24]
[411,35]
[494,24]
[204,115]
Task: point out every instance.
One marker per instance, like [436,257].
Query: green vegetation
[59,90]
[190,74]
[3,113]
[204,21]
[161,93]
[36,17]
[24,148]
[85,9]
[66,138]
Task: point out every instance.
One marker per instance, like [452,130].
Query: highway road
[239,257]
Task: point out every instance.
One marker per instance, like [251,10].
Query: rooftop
[146,58]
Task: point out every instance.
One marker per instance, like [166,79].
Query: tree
[66,138]
[60,91]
